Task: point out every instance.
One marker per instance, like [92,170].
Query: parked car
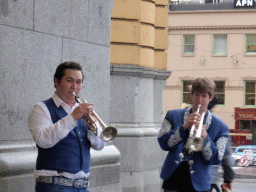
[241,148]
[248,151]
[237,158]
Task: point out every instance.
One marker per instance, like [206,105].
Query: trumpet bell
[195,144]
[108,134]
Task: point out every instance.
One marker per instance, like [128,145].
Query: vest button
[79,133]
[81,139]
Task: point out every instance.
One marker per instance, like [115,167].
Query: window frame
[214,44]
[183,49]
[246,44]
[249,93]
[223,93]
[182,92]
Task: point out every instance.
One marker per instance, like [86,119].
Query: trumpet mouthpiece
[198,108]
[76,97]
[74,93]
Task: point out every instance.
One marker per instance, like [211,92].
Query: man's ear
[56,82]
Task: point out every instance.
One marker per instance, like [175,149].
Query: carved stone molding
[234,88]
[173,87]
[187,78]
[250,78]
[218,78]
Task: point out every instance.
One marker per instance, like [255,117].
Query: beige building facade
[219,44]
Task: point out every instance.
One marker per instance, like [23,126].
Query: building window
[220,92]
[245,125]
[186,88]
[250,44]
[249,93]
[220,44]
[188,44]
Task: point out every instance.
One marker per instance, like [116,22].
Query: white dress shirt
[46,134]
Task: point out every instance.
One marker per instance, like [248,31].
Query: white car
[248,151]
[237,158]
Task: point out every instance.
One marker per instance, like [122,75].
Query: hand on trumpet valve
[193,119]
[82,110]
[204,132]
[90,119]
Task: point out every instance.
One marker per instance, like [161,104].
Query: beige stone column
[139,33]
[138,74]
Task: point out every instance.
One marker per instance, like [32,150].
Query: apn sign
[244,3]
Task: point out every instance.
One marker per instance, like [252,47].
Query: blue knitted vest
[72,153]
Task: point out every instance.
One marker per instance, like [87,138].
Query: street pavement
[245,180]
[244,185]
[245,172]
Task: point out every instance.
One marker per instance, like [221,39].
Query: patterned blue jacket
[172,137]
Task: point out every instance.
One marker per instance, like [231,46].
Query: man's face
[71,81]
[201,98]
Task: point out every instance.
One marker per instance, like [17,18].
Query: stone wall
[137,110]
[36,36]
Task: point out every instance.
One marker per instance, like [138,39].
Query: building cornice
[211,11]
[227,7]
[139,71]
[243,27]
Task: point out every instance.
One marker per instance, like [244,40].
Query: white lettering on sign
[238,3]
[242,3]
[250,2]
[247,116]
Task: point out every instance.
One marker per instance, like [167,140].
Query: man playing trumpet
[186,169]
[62,138]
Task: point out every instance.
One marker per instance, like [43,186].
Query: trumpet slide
[107,134]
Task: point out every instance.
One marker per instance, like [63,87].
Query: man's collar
[57,100]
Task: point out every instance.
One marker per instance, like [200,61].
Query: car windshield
[241,149]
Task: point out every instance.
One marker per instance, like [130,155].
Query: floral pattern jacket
[172,137]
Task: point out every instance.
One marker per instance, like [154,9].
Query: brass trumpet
[195,142]
[107,134]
